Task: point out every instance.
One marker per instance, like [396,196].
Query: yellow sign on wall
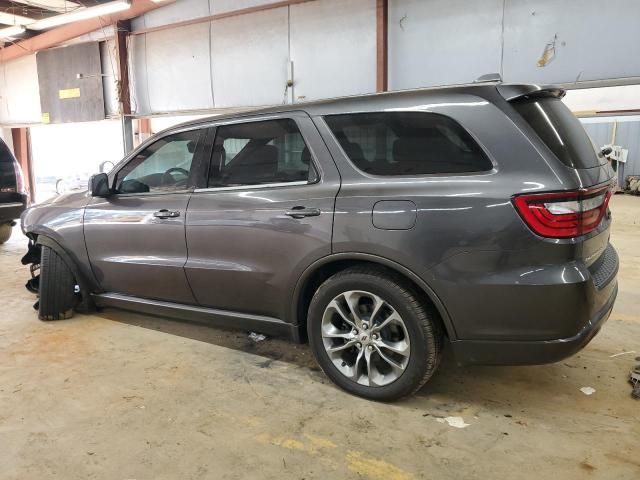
[45,117]
[69,93]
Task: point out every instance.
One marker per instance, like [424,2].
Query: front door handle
[164,213]
[301,212]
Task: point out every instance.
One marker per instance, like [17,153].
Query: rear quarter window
[561,131]
[5,154]
[407,143]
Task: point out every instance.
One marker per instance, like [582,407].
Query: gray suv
[379,228]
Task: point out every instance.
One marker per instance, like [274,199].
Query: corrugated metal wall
[171,70]
[437,42]
[245,60]
[434,42]
[19,91]
[253,69]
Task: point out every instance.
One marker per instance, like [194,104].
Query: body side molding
[194,313]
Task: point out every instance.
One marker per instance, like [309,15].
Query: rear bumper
[11,210]
[498,352]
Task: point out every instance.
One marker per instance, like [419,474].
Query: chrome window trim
[253,187]
[11,205]
[149,194]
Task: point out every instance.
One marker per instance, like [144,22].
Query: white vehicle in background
[81,180]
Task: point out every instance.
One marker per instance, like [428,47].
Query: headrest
[305,156]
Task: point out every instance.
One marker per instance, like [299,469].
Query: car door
[135,237]
[265,215]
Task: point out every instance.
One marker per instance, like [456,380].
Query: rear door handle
[164,213]
[301,212]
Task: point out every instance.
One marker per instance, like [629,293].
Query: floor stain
[375,469]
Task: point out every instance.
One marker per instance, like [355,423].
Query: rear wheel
[372,335]
[5,232]
[57,287]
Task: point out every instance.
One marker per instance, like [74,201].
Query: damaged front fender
[32,258]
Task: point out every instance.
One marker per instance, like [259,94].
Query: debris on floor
[634,379]
[456,422]
[632,184]
[257,337]
[588,390]
[621,353]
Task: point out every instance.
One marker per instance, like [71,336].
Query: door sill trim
[194,313]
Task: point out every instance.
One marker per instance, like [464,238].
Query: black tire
[5,232]
[420,318]
[57,287]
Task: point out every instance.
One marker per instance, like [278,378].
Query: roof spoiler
[515,92]
[489,77]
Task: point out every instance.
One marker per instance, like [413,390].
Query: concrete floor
[123,396]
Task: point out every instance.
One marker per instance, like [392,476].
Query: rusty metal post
[22,151]
[382,45]
[122,29]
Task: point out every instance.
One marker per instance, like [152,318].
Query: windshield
[561,131]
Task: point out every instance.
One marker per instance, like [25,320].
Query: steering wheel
[168,178]
[177,169]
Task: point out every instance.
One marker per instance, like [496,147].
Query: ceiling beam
[58,6]
[62,34]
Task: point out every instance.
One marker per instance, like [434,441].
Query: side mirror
[99,185]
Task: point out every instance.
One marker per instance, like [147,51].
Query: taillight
[564,214]
[19,178]
[19,188]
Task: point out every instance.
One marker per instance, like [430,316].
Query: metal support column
[22,151]
[122,30]
[382,45]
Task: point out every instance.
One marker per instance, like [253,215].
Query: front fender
[59,224]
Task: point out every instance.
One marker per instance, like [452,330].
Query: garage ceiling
[20,19]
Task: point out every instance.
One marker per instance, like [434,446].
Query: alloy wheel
[365,338]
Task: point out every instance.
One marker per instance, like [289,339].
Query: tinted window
[407,143]
[256,153]
[5,154]
[7,172]
[561,131]
[163,166]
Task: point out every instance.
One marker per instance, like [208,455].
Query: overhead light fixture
[12,31]
[80,14]
[12,19]
[58,6]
